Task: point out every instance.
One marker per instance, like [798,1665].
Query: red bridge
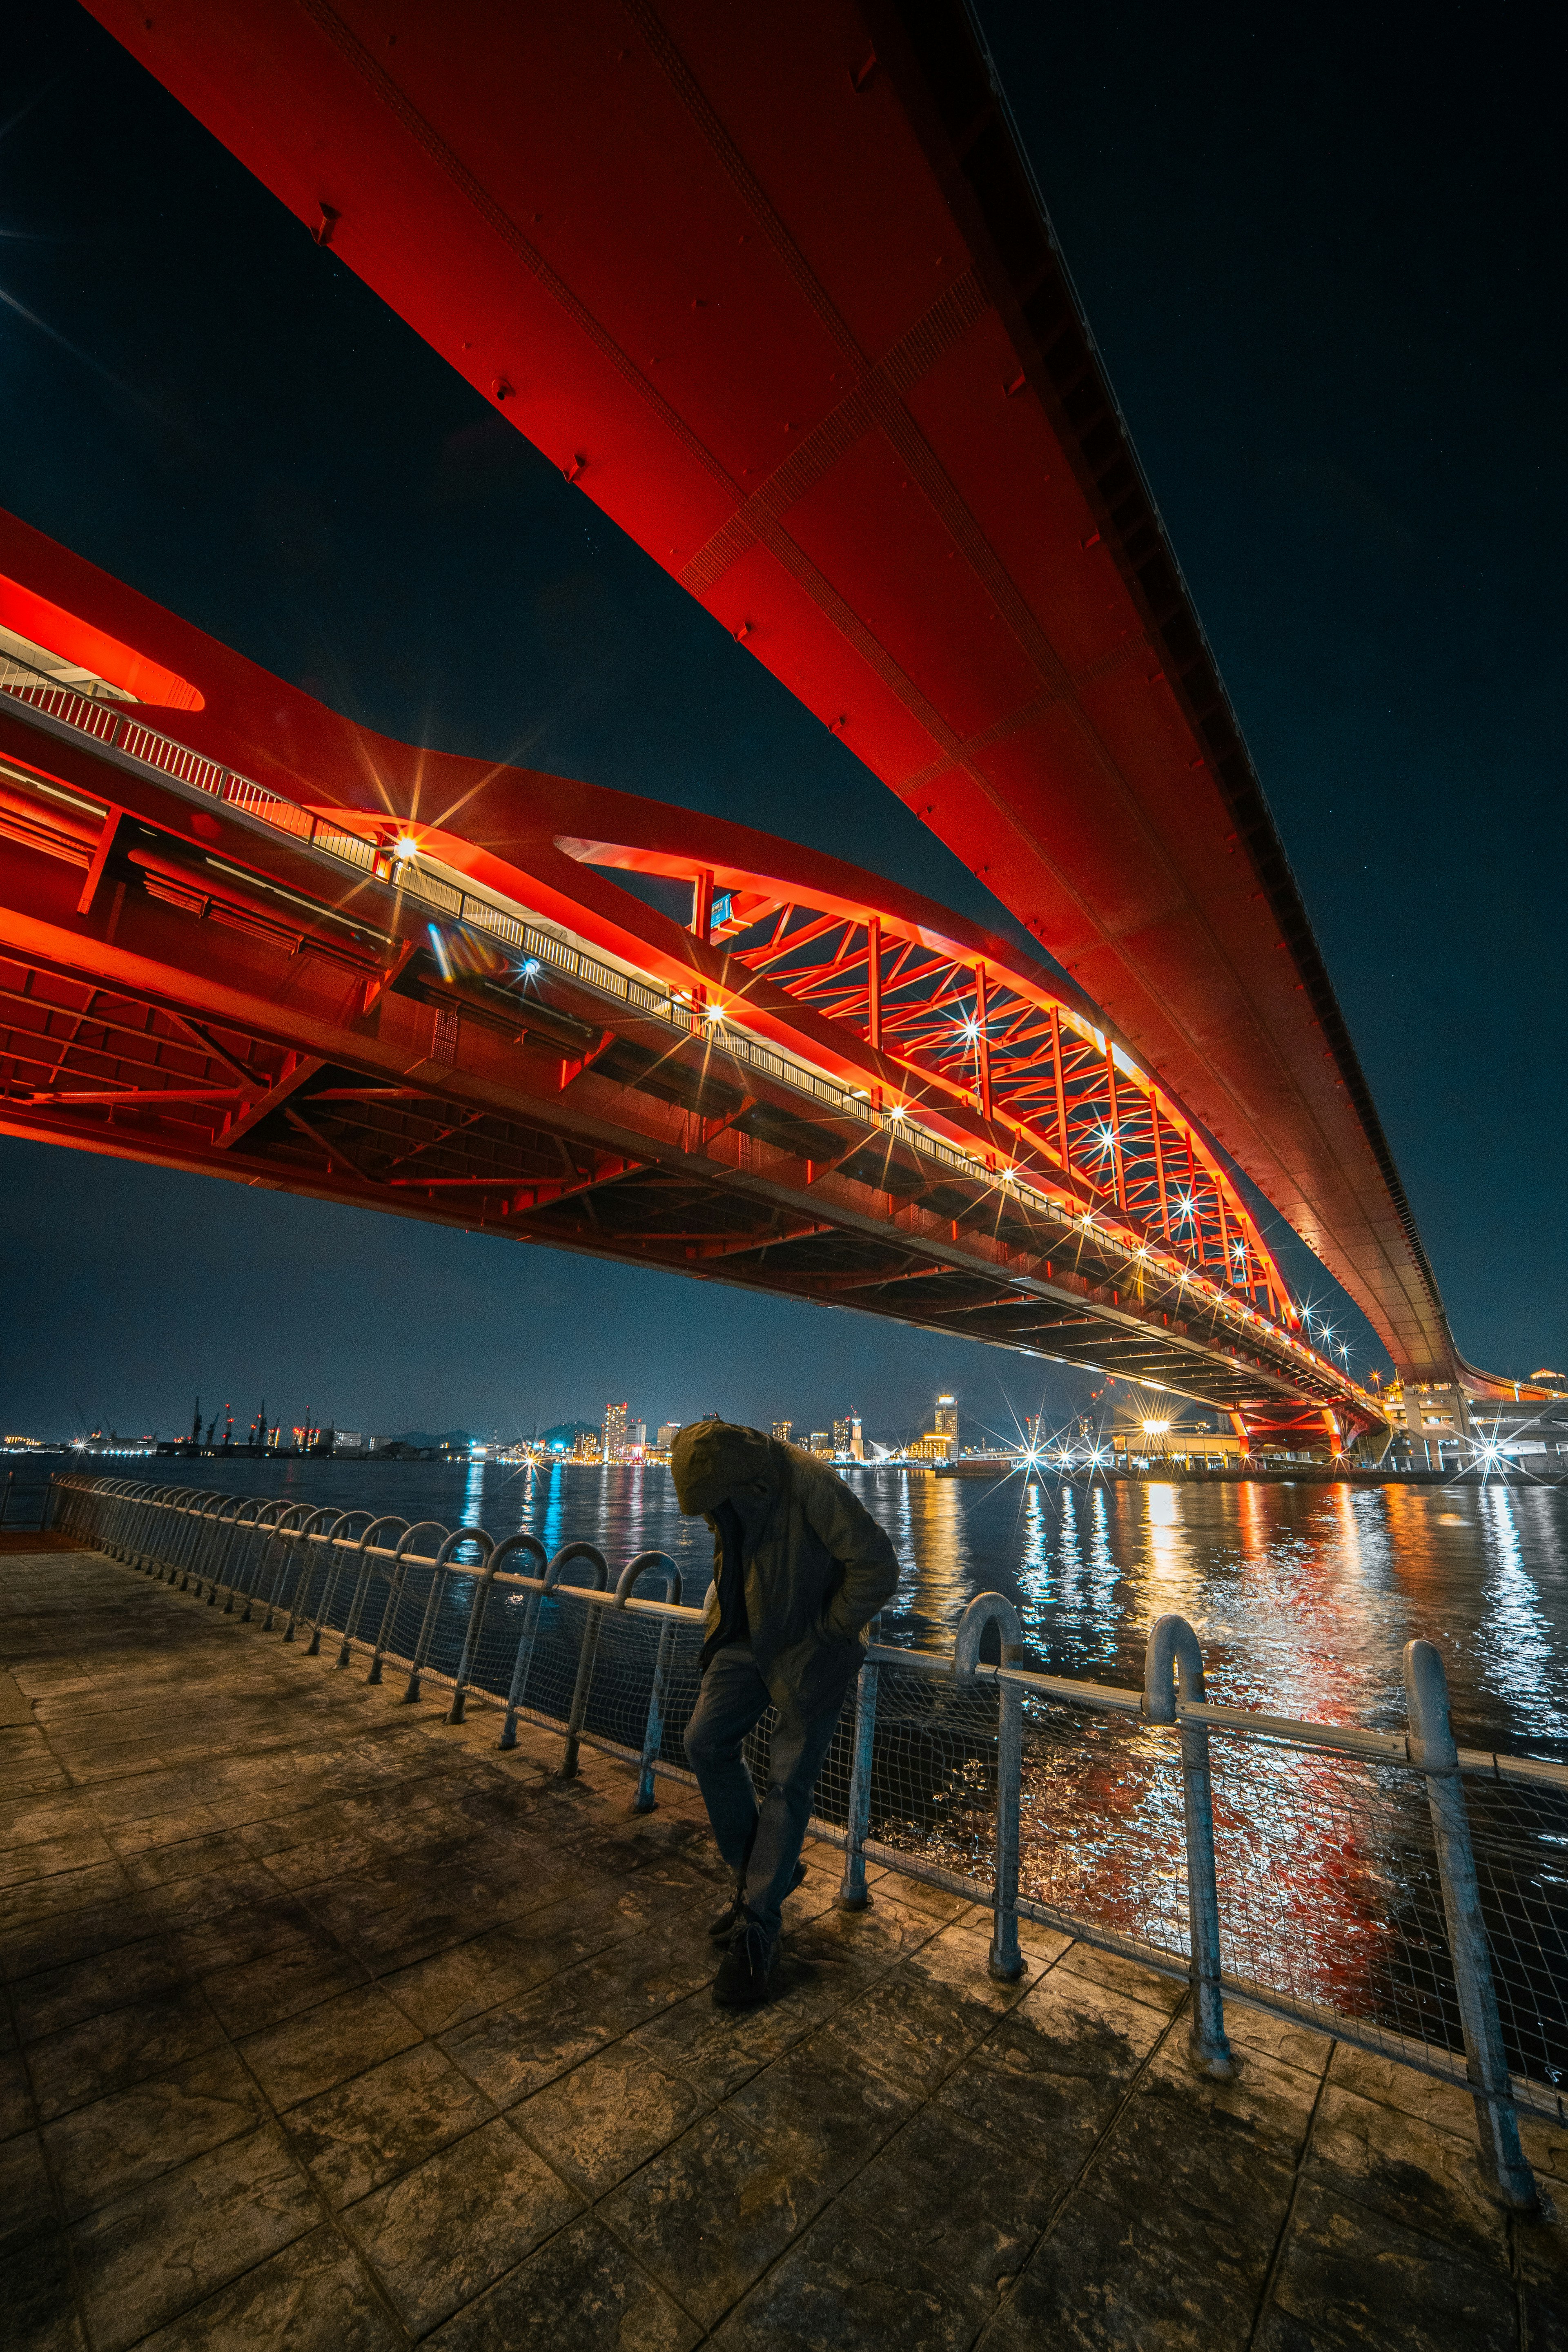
[777,292]
[379,975]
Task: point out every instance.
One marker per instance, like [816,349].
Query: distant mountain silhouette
[422,1438]
[566,1434]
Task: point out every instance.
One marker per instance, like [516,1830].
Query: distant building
[1431,1424]
[668,1432]
[612,1444]
[348,1441]
[819,1442]
[841,1437]
[944,1421]
[782,1430]
[857,1438]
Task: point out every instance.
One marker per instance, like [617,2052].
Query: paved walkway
[329,2027]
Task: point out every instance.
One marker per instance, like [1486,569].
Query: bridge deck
[329,2026]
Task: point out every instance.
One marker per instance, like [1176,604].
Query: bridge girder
[198,974]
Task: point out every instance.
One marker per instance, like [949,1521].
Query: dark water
[1302,1596]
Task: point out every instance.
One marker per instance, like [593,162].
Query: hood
[713,1459]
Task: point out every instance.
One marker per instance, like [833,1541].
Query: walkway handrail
[978,1710]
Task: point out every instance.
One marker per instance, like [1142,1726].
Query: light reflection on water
[1302,1596]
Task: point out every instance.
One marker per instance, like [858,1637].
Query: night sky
[1322,255]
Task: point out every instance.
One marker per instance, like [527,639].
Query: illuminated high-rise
[782,1430]
[613,1444]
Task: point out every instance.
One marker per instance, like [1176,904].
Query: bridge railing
[1406,1895]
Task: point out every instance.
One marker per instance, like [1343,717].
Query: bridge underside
[240,1014]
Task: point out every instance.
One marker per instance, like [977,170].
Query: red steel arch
[774,286]
[371,974]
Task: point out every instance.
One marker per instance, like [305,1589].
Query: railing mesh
[1329,1899]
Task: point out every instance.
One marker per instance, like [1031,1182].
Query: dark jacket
[818,1566]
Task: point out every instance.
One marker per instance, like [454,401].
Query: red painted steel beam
[772,288]
[220,1005]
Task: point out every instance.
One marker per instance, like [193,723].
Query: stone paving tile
[1352,2280]
[363,2134]
[718,2050]
[35,2295]
[581,2293]
[1120,1976]
[105,2053]
[442,2233]
[607,2117]
[937,2191]
[55,1998]
[143,2259]
[114,2145]
[850,2283]
[26,2196]
[1052,2073]
[709,2215]
[1098,2282]
[327,2045]
[1369,2154]
[313,2296]
[821,2107]
[263,1991]
[1206,2170]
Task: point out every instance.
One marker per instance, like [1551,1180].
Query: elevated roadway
[776,290]
[243,936]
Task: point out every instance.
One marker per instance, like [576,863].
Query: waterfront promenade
[329,2026]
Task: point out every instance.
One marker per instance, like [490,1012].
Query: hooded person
[800,1567]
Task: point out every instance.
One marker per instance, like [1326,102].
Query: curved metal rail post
[222,1523]
[361,1584]
[853,1893]
[1432,1749]
[283,1536]
[263,1527]
[522,1663]
[337,1538]
[177,1534]
[1006,1961]
[397,1576]
[309,1534]
[438,1576]
[236,1549]
[481,1601]
[588,1651]
[200,1535]
[652,1563]
[1174,1660]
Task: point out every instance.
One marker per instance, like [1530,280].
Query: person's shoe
[747,1963]
[725,1922]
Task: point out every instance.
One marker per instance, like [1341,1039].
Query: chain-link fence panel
[1519,1832]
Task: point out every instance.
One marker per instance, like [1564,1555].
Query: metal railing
[1389,1888]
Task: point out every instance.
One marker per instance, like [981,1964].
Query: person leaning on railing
[800,1567]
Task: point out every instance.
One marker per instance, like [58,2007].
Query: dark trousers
[761,1844]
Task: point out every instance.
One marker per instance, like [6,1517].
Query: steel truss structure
[816,1086]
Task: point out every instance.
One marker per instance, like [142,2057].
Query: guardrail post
[1432,1750]
[853,1895]
[1173,1659]
[588,1651]
[480,1604]
[362,1585]
[652,1563]
[438,1576]
[1006,1961]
